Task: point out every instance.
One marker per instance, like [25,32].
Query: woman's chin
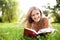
[37,21]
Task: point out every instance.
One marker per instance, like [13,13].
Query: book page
[45,30]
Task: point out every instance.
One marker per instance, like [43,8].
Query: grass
[11,31]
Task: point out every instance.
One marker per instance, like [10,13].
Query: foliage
[56,11]
[46,12]
[9,10]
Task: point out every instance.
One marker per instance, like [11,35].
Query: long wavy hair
[30,20]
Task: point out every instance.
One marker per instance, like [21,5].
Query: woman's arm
[50,25]
[29,25]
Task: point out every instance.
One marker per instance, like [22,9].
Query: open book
[33,33]
[45,30]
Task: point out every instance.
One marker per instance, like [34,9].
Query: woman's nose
[36,16]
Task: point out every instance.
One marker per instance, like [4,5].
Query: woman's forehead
[35,11]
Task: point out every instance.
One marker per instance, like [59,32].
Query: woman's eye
[37,13]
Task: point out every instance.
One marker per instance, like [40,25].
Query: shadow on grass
[28,38]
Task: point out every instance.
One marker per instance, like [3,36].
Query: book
[33,33]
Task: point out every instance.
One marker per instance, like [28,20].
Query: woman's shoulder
[44,18]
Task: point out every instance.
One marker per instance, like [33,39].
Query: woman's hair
[29,14]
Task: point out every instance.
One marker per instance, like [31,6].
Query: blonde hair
[29,14]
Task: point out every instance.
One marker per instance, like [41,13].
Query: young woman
[36,22]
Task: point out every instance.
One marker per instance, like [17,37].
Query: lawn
[12,31]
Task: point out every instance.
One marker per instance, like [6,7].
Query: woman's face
[35,15]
